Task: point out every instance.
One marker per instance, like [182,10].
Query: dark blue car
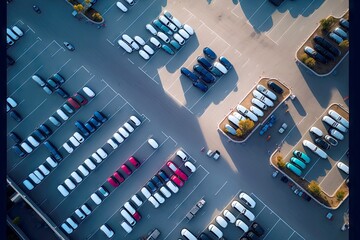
[82,128]
[163,175]
[95,122]
[186,72]
[209,53]
[99,116]
[206,76]
[44,129]
[90,127]
[157,181]
[151,186]
[200,85]
[224,61]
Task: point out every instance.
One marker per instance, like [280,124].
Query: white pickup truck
[214,155]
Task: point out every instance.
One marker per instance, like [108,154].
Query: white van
[107,230]
[165,192]
[220,67]
[96,157]
[316,131]
[83,170]
[266,92]
[247,200]
[163,37]
[38,175]
[153,201]
[34,178]
[33,141]
[86,209]
[121,7]
[215,230]
[338,118]
[18,31]
[74,141]
[69,184]
[79,213]
[118,137]
[240,224]
[334,124]
[44,170]
[68,148]
[243,110]
[144,55]
[76,177]
[51,162]
[262,98]
[159,198]
[124,45]
[233,120]
[62,114]
[97,200]
[71,222]
[126,226]
[155,42]
[238,116]
[221,221]
[128,217]
[26,147]
[66,228]
[136,200]
[259,103]
[315,149]
[172,186]
[187,234]
[90,164]
[28,184]
[63,190]
[102,153]
[130,208]
[12,34]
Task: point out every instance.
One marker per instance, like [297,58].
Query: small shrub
[97,17]
[280,162]
[344,44]
[314,188]
[239,133]
[16,220]
[326,23]
[79,7]
[310,62]
[340,195]
[246,125]
[303,57]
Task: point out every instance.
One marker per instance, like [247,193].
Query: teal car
[162,27]
[167,49]
[302,156]
[175,44]
[293,168]
[298,162]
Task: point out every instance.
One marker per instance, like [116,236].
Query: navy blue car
[151,186]
[157,181]
[99,116]
[43,128]
[205,63]
[62,93]
[186,72]
[39,135]
[58,78]
[209,53]
[224,61]
[206,76]
[82,128]
[163,175]
[200,85]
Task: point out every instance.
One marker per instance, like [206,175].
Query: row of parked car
[52,84]
[207,69]
[250,233]
[10,105]
[13,34]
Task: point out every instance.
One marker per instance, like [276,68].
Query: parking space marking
[130,61]
[31,62]
[27,50]
[264,21]
[152,57]
[334,166]
[216,34]
[109,9]
[221,188]
[181,104]
[256,11]
[29,28]
[110,42]
[25,81]
[194,188]
[289,237]
[272,228]
[293,128]
[64,64]
[57,52]
[232,11]
[149,76]
[274,27]
[245,63]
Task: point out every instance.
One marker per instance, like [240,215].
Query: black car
[206,75]
[324,52]
[203,236]
[163,175]
[322,143]
[36,9]
[15,116]
[58,78]
[99,116]
[44,129]
[157,181]
[62,93]
[306,197]
[326,44]
[189,74]
[224,61]
[80,99]
[284,179]
[53,84]
[151,186]
[252,235]
[257,229]
[275,87]
[200,85]
[82,128]
[10,60]
[39,135]
[312,53]
[19,151]
[14,137]
[209,53]
[205,63]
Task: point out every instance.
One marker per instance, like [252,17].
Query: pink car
[177,181]
[113,182]
[177,171]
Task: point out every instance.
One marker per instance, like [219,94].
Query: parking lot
[172,111]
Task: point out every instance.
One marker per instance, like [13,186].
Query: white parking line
[291,235]
[232,11]
[272,228]
[30,28]
[180,103]
[149,76]
[152,57]
[216,34]
[274,27]
[108,9]
[264,22]
[221,188]
[294,127]
[110,42]
[27,49]
[12,94]
[64,64]
[333,167]
[130,61]
[57,52]
[256,11]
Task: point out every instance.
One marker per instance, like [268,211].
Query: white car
[153,143]
[163,37]
[122,7]
[139,40]
[336,134]
[334,124]
[11,102]
[78,137]
[221,221]
[220,67]
[229,216]
[155,42]
[338,118]
[342,166]
[151,29]
[144,54]
[262,98]
[179,39]
[124,45]
[165,21]
[247,199]
[315,149]
[118,137]
[238,206]
[128,127]
[135,120]
[123,132]
[215,230]
[234,120]
[266,92]
[112,143]
[184,34]
[130,41]
[148,49]
[130,2]
[316,131]
[172,19]
[188,29]
[240,224]
[238,116]
[190,166]
[182,155]
[246,112]
[257,111]
[187,234]
[230,129]
[259,103]
[89,92]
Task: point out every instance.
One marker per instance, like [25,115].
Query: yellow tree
[79,7]
[246,125]
[239,133]
[97,17]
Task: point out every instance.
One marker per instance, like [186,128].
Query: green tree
[326,23]
[314,188]
[310,62]
[344,44]
[303,57]
[340,195]
[97,17]
[79,8]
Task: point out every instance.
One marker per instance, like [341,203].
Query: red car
[177,171]
[137,216]
[73,103]
[177,181]
[118,177]
[134,162]
[126,169]
[80,99]
[113,182]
